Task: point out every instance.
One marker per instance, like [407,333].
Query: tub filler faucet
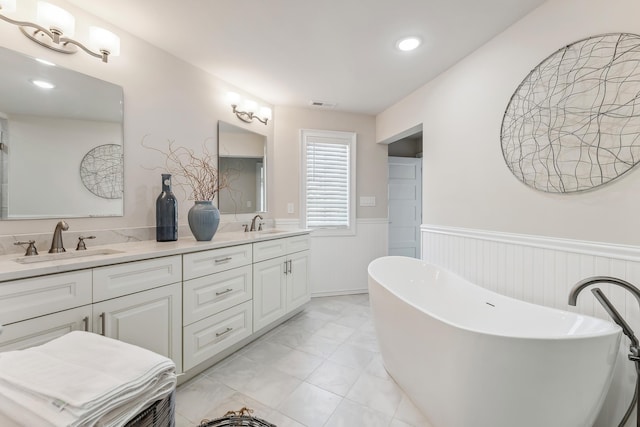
[634,347]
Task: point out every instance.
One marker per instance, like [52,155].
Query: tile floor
[320,368]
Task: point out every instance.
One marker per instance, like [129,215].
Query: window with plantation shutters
[328,174]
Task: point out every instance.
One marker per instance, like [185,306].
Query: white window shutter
[328,179]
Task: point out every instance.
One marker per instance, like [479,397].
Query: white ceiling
[292,52]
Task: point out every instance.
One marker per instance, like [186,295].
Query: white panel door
[269,291]
[405,206]
[151,319]
[298,291]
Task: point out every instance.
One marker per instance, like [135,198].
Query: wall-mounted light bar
[247,110]
[55,27]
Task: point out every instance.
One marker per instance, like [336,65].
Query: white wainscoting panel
[543,270]
[338,264]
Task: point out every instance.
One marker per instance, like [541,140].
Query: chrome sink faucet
[56,241]
[253,223]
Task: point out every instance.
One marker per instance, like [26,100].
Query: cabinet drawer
[40,330]
[123,279]
[298,243]
[214,293]
[269,249]
[28,298]
[200,264]
[210,336]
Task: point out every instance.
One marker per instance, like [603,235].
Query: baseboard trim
[339,293]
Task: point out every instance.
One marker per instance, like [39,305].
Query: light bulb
[103,40]
[249,106]
[265,113]
[8,5]
[233,98]
[55,18]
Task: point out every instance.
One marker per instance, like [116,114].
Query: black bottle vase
[166,213]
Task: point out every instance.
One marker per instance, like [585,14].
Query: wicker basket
[241,418]
[159,414]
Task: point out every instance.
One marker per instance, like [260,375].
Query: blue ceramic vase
[204,219]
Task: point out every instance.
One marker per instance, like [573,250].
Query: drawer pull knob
[226,331]
[226,291]
[223,260]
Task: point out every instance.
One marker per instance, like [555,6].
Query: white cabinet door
[32,332]
[151,319]
[269,292]
[298,291]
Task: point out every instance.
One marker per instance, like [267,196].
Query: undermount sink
[270,231]
[65,255]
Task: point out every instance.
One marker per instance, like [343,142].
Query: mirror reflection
[241,158]
[61,141]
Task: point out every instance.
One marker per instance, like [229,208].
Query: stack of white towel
[82,379]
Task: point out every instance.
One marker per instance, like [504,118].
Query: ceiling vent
[322,104]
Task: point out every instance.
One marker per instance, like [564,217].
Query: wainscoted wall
[543,270]
[338,264]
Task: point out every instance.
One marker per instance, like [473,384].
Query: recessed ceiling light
[408,43]
[42,84]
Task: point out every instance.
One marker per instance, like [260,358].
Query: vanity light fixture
[56,25]
[408,43]
[249,109]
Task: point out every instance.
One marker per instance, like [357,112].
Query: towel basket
[241,418]
[159,414]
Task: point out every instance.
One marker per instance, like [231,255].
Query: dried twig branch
[190,170]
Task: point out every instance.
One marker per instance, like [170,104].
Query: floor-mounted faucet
[634,349]
[56,241]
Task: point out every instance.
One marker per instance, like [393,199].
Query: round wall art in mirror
[101,171]
[574,122]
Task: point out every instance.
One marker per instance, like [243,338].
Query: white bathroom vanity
[194,302]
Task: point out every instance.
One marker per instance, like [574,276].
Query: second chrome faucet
[253,223]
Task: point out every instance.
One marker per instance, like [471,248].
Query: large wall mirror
[242,160]
[61,142]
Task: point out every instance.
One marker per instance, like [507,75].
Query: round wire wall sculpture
[574,122]
[101,171]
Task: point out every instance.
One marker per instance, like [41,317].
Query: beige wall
[165,99]
[371,167]
[466,181]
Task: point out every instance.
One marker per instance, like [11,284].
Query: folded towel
[81,377]
[80,368]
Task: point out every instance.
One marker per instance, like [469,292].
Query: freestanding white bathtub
[469,357]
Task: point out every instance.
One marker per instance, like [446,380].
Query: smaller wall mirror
[242,160]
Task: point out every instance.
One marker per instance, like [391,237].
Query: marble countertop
[97,256]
